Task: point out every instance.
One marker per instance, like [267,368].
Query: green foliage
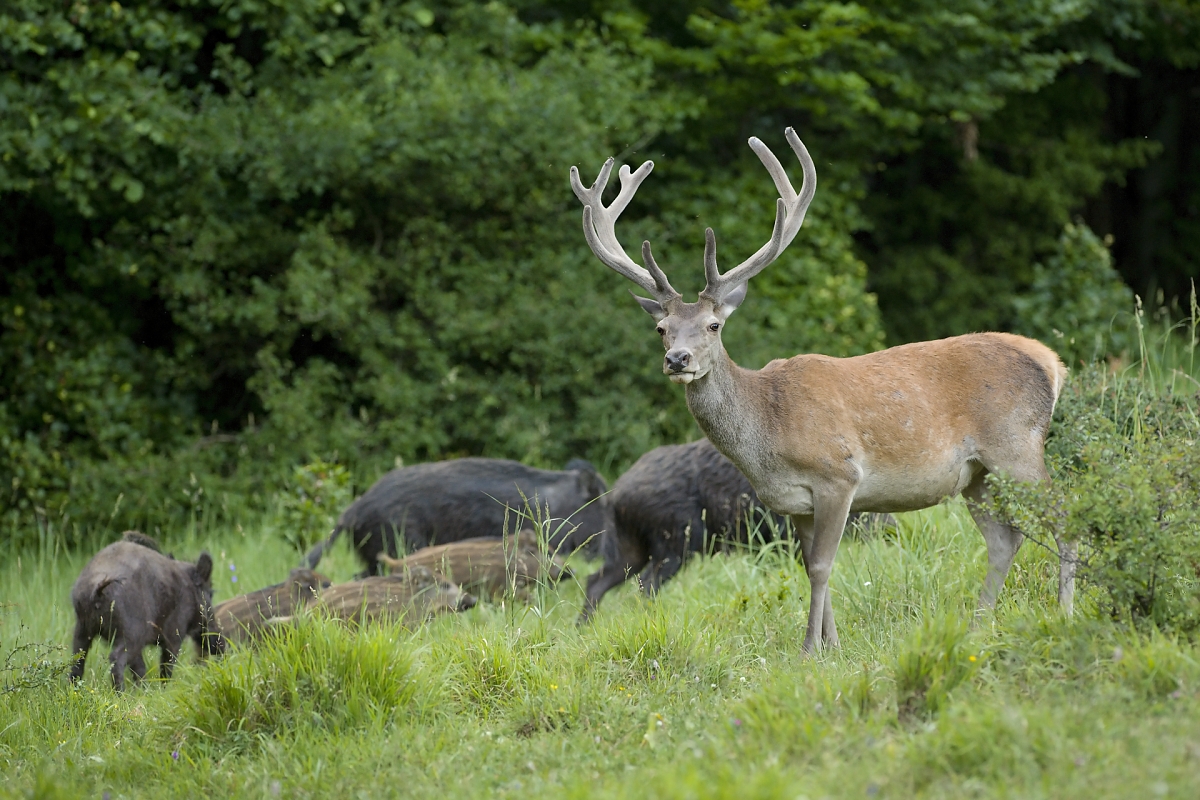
[1125,460]
[240,237]
[309,506]
[1138,518]
[33,665]
[964,135]
[957,230]
[937,659]
[1077,302]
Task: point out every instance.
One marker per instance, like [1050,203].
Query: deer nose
[678,359]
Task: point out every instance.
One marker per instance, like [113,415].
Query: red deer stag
[819,437]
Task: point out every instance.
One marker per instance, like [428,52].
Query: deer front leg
[820,534]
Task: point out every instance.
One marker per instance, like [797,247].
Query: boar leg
[80,647]
[170,655]
[137,665]
[658,573]
[617,568]
[123,656]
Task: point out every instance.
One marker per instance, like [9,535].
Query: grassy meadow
[701,692]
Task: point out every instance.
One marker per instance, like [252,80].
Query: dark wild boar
[448,501]
[134,597]
[675,501]
[137,537]
[411,597]
[241,619]
[487,566]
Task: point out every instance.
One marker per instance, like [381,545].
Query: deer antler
[598,228]
[789,216]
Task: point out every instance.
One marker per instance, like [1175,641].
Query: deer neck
[729,411]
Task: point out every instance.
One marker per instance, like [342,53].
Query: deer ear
[731,301]
[651,307]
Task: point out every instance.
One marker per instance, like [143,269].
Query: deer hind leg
[1003,540]
[1029,470]
[820,534]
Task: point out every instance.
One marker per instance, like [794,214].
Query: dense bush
[1077,302]
[284,234]
[1125,455]
[312,500]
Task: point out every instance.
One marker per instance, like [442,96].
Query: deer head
[691,332]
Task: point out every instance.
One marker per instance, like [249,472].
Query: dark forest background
[236,237]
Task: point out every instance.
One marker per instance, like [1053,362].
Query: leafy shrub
[1077,302]
[1126,462]
[1140,521]
[32,666]
[317,493]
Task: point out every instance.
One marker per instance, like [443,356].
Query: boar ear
[589,480]
[204,567]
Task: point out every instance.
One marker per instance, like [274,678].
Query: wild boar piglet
[134,597]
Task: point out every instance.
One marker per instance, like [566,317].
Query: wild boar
[242,618]
[487,566]
[676,501]
[411,596]
[134,596]
[448,501]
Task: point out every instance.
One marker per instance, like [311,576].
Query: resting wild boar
[448,501]
[675,501]
[242,618]
[134,596]
[411,597]
[487,566]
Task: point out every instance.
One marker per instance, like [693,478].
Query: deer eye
[661,330]
[716,326]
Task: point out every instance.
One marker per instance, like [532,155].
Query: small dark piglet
[242,618]
[134,596]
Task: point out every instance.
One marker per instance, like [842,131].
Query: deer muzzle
[679,365]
